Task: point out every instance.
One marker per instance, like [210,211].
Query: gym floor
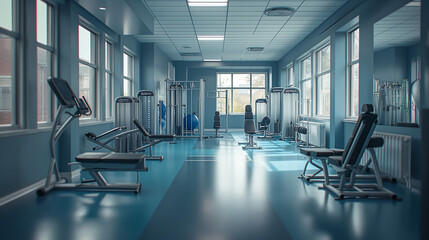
[213,190]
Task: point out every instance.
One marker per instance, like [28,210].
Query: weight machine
[185,100]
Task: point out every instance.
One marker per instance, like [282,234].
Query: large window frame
[109,79]
[45,61]
[323,81]
[231,88]
[87,67]
[352,86]
[315,82]
[128,73]
[9,91]
[306,81]
[289,76]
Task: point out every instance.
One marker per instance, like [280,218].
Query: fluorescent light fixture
[207,3]
[210,37]
[212,60]
[413,4]
[102,8]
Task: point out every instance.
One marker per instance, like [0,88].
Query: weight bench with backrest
[150,140]
[249,129]
[348,164]
[216,125]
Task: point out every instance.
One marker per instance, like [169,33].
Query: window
[128,74]
[306,86]
[289,76]
[87,66]
[45,51]
[109,79]
[243,89]
[353,74]
[323,81]
[8,49]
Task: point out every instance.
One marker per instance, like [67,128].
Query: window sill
[322,118]
[22,132]
[350,120]
[92,122]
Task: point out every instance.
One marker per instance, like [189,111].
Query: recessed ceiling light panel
[207,3]
[102,8]
[190,54]
[279,12]
[212,60]
[210,37]
[255,49]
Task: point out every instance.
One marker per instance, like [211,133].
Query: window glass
[306,97]
[6,16]
[108,80]
[243,92]
[43,91]
[220,101]
[241,80]
[127,87]
[85,45]
[355,45]
[324,59]
[108,57]
[128,66]
[306,68]
[87,83]
[42,22]
[7,59]
[109,94]
[257,94]
[354,90]
[258,80]
[323,95]
[289,76]
[241,98]
[224,80]
[353,77]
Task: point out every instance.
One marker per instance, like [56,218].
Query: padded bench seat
[162,137]
[101,157]
[321,152]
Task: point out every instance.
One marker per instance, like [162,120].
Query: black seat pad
[101,157]
[375,142]
[318,152]
[162,137]
[335,160]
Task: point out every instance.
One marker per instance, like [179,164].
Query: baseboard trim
[24,191]
[33,187]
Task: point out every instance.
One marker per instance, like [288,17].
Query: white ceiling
[401,28]
[243,24]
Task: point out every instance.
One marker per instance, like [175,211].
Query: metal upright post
[201,106]
[226,111]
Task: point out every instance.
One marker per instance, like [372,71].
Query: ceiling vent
[255,49]
[190,54]
[279,12]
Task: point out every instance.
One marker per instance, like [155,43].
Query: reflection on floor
[212,189]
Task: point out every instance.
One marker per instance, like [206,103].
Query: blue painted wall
[25,153]
[392,64]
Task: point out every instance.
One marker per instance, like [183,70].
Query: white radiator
[394,158]
[316,133]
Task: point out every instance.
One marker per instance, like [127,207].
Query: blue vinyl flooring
[213,190]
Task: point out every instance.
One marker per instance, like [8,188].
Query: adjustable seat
[249,128]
